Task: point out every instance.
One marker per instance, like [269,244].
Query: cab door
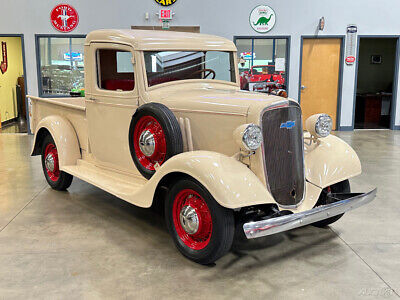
[112,99]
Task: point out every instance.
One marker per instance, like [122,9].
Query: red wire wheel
[149,142]
[51,162]
[200,227]
[192,219]
[154,137]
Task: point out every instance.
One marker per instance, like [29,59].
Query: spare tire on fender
[154,137]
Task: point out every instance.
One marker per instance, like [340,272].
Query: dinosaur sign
[262,18]
[64,18]
[4,61]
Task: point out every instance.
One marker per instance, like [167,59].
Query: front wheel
[57,179]
[340,187]
[201,228]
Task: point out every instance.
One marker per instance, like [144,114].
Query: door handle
[303,87]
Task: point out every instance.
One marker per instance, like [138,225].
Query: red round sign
[64,18]
[350,59]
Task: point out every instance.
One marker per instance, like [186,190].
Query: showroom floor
[85,243]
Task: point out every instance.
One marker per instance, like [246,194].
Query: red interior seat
[119,84]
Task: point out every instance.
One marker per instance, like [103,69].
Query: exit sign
[165,14]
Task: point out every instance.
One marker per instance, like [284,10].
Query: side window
[115,70]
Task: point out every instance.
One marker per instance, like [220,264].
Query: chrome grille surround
[272,177]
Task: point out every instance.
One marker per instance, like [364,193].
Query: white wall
[223,17]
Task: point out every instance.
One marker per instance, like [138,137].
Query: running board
[119,184]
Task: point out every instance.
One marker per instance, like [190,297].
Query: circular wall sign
[64,18]
[165,2]
[262,18]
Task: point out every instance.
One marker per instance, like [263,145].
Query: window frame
[153,87]
[272,37]
[98,70]
[38,62]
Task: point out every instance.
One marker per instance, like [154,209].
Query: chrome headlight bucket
[248,136]
[319,125]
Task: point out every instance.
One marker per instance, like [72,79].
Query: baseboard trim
[8,122]
[345,128]
[396,127]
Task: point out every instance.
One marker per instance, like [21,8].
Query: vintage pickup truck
[163,119]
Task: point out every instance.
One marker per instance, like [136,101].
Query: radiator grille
[283,153]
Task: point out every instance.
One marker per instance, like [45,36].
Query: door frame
[21,35]
[395,79]
[340,80]
[288,41]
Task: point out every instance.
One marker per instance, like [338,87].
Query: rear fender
[230,182]
[63,134]
[330,160]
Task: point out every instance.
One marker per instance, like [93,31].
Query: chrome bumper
[283,223]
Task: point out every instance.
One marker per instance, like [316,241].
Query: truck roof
[161,40]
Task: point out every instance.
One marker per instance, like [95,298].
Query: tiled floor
[85,243]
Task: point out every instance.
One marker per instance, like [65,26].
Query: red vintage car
[249,80]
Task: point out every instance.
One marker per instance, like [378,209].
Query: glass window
[60,65]
[115,70]
[166,66]
[262,60]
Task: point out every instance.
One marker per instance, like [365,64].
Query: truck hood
[217,98]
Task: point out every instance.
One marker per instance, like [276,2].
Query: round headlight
[323,125]
[252,137]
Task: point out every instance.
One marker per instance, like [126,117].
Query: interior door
[320,77]
[110,104]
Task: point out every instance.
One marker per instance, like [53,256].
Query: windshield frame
[175,82]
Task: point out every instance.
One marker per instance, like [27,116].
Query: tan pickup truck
[164,119]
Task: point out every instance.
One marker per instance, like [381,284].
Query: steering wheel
[210,71]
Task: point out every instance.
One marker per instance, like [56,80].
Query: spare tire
[154,137]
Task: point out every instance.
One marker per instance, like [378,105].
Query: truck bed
[71,102]
[72,109]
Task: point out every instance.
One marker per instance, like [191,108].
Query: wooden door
[320,77]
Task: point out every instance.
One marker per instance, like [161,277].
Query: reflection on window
[61,65]
[262,60]
[115,70]
[166,66]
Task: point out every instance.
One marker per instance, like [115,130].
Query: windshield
[166,66]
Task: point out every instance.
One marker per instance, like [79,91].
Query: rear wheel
[340,187]
[201,228]
[57,179]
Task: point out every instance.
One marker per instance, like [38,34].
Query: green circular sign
[262,18]
[165,2]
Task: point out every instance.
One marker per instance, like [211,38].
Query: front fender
[330,160]
[230,182]
[63,134]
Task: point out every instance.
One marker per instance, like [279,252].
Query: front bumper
[283,223]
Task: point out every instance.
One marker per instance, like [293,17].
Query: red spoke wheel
[192,219]
[201,228]
[51,162]
[154,137]
[149,142]
[56,178]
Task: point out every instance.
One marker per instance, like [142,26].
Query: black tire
[223,226]
[171,130]
[340,187]
[64,180]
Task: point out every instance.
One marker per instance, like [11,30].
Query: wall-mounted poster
[4,61]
